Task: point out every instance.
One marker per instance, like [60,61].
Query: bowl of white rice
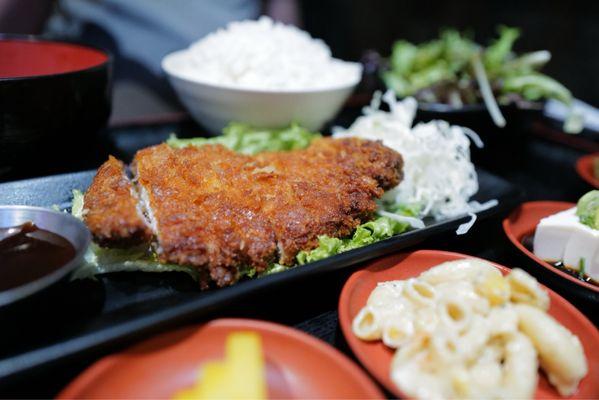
[263,73]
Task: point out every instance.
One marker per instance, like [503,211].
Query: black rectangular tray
[83,316]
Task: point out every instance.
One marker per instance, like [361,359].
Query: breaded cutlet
[213,208]
[111,209]
[201,209]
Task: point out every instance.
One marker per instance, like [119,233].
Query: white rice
[266,55]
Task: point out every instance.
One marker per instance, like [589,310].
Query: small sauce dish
[38,247]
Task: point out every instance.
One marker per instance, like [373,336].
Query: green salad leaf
[499,51]
[248,140]
[445,70]
[367,233]
[101,260]
[536,86]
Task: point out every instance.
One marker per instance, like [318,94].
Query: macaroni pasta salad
[462,329]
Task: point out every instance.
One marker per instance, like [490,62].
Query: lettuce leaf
[367,233]
[536,86]
[101,260]
[248,140]
[498,52]
[441,70]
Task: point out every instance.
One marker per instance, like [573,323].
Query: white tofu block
[583,244]
[561,237]
[553,233]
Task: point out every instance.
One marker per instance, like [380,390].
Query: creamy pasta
[462,330]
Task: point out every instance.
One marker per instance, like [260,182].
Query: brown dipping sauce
[528,240]
[28,253]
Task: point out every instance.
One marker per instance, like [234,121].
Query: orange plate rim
[584,169]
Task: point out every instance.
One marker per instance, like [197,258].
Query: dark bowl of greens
[491,90]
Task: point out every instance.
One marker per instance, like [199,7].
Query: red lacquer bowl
[298,365]
[523,221]
[376,357]
[57,98]
[584,167]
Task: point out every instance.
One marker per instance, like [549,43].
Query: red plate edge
[354,342]
[584,167]
[529,226]
[91,373]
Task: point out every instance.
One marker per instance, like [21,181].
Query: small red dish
[584,167]
[376,357]
[523,221]
[298,365]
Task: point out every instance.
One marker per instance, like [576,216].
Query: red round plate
[584,167]
[298,365]
[376,357]
[523,222]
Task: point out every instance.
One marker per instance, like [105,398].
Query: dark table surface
[543,169]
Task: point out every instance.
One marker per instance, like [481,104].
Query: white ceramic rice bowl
[215,106]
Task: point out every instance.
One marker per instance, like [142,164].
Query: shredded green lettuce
[248,140]
[409,210]
[102,260]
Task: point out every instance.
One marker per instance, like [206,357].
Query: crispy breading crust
[111,211]
[327,189]
[220,210]
[204,216]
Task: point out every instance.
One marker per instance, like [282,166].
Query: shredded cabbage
[438,173]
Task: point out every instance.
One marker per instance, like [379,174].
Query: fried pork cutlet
[200,204]
[216,209]
[327,189]
[112,212]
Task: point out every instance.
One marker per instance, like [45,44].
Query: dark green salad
[244,139]
[457,71]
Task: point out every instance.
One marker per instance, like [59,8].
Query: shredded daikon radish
[438,173]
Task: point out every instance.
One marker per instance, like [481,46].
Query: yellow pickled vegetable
[241,375]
